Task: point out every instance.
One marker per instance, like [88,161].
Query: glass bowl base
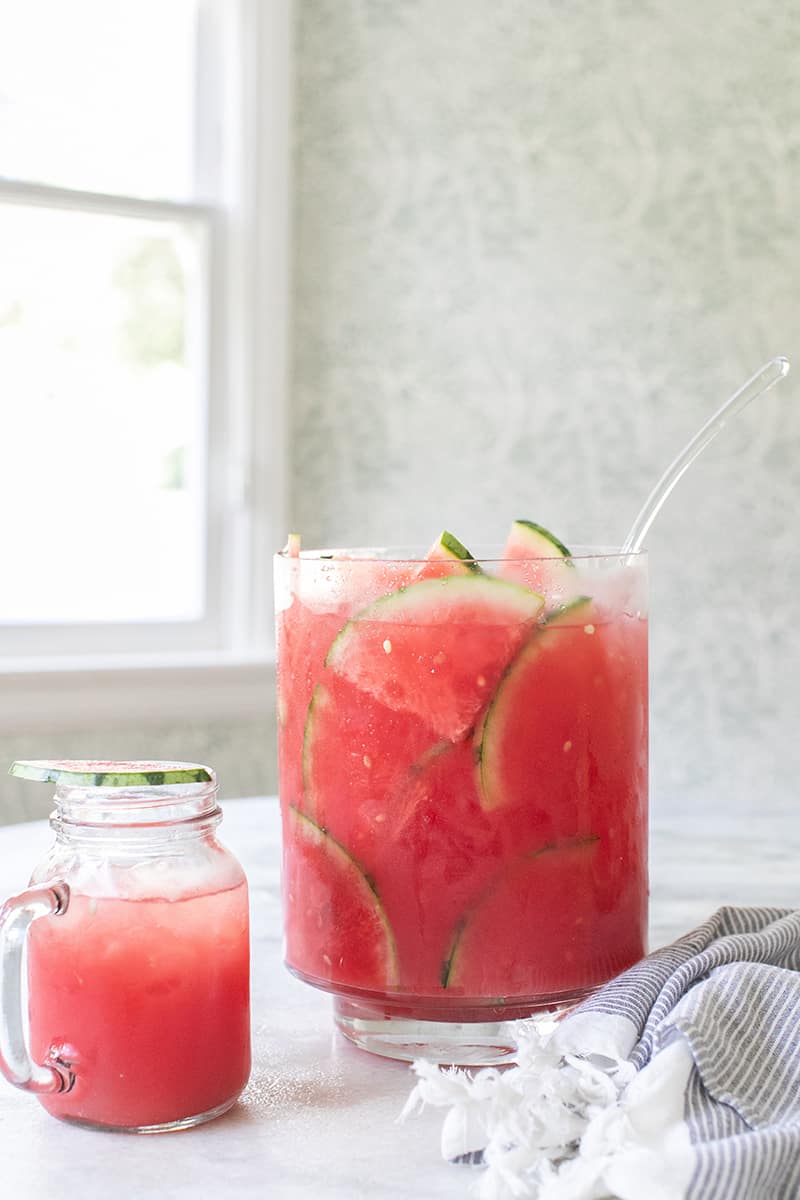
[471,1043]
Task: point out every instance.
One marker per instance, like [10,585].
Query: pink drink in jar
[138,980]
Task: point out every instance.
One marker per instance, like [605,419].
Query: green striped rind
[448,546]
[362,881]
[320,700]
[450,964]
[540,542]
[442,598]
[89,773]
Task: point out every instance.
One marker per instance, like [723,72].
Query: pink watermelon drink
[149,999]
[135,935]
[463,771]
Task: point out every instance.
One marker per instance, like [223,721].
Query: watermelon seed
[367,761]
[567,746]
[387,645]
[588,629]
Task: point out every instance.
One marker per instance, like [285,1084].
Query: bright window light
[99,94]
[103,485]
[144,150]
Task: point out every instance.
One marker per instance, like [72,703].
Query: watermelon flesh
[440,849]
[351,784]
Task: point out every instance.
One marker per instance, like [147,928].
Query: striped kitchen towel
[679,1080]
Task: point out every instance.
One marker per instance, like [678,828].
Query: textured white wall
[536,245]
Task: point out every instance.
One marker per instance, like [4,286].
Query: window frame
[121,671]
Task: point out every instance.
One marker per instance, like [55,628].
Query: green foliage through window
[152,329]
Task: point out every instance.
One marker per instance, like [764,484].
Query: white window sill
[115,690]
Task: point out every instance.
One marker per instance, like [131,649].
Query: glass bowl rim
[482,554]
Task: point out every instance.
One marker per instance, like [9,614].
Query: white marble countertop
[319,1118]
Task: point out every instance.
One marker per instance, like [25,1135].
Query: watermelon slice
[337,933]
[564,720]
[102,774]
[530,932]
[436,648]
[536,558]
[526,539]
[448,556]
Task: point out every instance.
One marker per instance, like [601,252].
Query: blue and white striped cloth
[679,1080]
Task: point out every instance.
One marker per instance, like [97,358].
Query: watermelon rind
[92,773]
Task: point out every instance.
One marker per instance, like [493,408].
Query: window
[143,210]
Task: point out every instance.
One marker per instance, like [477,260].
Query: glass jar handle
[16,916]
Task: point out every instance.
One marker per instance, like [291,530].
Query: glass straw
[763,379]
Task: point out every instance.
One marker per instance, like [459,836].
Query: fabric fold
[678,1080]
